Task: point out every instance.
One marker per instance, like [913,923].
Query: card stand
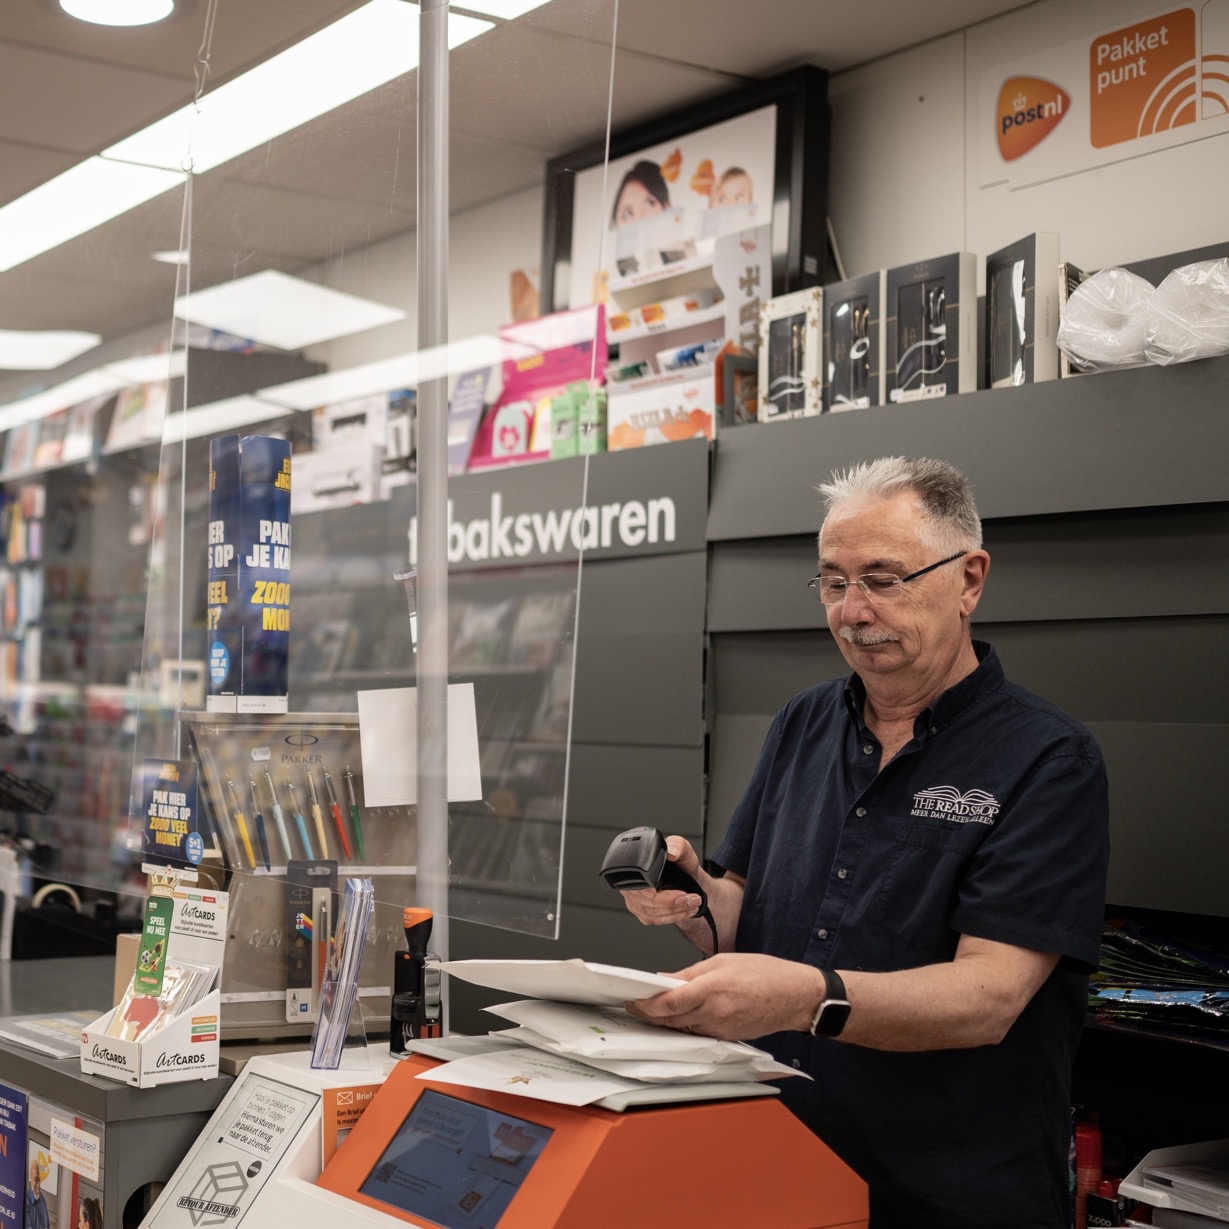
[354,1053]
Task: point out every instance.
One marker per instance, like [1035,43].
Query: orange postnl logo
[1029,110]
[1142,79]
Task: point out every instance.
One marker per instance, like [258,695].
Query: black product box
[1022,312]
[854,342]
[932,328]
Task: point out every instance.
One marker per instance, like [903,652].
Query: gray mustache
[863,637]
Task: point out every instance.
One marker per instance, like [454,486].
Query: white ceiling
[520,94]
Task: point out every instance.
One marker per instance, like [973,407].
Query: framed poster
[757,155]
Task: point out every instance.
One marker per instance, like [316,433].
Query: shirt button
[842,873]
[868,749]
[934,729]
[860,812]
[795,1064]
[821,934]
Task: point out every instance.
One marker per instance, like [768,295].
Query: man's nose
[856,607]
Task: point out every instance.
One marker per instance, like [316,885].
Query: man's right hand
[669,906]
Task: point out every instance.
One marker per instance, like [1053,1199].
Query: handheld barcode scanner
[637,859]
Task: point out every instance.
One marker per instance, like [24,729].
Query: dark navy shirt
[992,822]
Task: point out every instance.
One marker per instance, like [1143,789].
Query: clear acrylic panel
[276,662]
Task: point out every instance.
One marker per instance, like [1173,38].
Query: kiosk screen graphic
[455,1164]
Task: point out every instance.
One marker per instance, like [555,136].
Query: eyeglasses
[877,586]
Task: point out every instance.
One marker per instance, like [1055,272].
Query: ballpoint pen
[355,818]
[259,820]
[317,815]
[279,817]
[338,821]
[240,822]
[299,820]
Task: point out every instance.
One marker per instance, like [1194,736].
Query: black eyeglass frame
[813,583]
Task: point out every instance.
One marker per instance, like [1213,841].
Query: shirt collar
[950,703]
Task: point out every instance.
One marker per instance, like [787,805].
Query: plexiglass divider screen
[222,571]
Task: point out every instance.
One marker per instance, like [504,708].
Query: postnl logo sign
[1143,79]
[1029,110]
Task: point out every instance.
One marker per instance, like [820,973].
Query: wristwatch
[833,1009]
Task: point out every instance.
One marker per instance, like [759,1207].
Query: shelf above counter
[1147,437]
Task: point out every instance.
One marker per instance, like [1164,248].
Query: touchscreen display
[455,1164]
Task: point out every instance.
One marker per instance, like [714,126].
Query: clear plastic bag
[1104,323]
[1188,314]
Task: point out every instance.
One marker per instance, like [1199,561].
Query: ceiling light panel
[279,310]
[365,49]
[42,349]
[84,196]
[508,10]
[119,12]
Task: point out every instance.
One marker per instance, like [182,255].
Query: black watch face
[832,1019]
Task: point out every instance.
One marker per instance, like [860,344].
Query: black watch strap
[833,1009]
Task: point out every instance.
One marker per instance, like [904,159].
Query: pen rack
[240,749]
[277,787]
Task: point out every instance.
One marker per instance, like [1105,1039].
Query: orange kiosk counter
[448,1157]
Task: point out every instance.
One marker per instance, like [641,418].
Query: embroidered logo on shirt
[947,802]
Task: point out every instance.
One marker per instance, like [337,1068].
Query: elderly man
[37,1215]
[910,894]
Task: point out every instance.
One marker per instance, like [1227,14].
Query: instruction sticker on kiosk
[235,1155]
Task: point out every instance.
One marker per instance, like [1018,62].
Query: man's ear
[976,564]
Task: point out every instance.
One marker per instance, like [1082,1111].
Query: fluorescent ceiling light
[400,371]
[119,12]
[84,196]
[172,258]
[217,416]
[148,368]
[71,392]
[507,9]
[365,49]
[284,311]
[42,349]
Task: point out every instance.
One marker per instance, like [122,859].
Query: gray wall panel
[643,596]
[1091,566]
[1111,440]
[640,689]
[613,788]
[1169,839]
[640,651]
[1156,670]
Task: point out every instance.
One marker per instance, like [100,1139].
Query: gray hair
[951,518]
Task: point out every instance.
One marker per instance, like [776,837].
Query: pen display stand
[235,753]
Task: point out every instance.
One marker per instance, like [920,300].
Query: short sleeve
[1038,879]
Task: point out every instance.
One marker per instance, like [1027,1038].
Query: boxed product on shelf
[544,358]
[931,327]
[854,342]
[789,358]
[1022,311]
[662,409]
[338,475]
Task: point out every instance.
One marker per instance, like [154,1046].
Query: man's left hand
[736,996]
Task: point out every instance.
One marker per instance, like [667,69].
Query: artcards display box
[855,342]
[248,598]
[1022,312]
[932,328]
[186,1047]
